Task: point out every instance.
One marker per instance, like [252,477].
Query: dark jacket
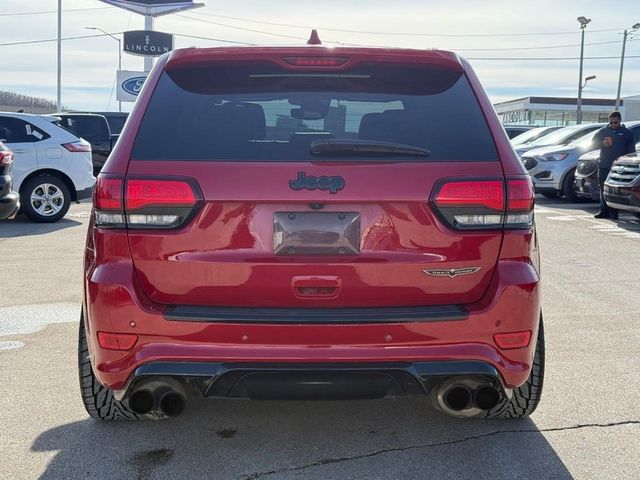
[613,144]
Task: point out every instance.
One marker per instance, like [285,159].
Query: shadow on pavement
[386,439]
[21,226]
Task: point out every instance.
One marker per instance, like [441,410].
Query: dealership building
[555,111]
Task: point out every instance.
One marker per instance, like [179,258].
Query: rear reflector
[510,340]
[316,61]
[79,146]
[117,341]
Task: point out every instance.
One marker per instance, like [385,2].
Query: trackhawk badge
[452,272]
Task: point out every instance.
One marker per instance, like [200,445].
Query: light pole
[583,24]
[59,83]
[119,54]
[624,44]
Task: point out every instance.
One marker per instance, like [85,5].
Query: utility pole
[59,88]
[583,24]
[624,44]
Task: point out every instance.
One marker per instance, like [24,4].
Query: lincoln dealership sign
[147,42]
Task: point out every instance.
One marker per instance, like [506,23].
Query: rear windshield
[262,113]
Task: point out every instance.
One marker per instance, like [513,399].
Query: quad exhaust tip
[160,397]
[466,397]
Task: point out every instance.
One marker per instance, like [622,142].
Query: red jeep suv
[312,223]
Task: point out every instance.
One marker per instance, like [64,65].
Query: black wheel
[550,194]
[98,400]
[526,397]
[568,190]
[45,198]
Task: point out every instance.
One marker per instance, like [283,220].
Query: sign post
[151,9]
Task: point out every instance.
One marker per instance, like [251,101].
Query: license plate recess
[316,233]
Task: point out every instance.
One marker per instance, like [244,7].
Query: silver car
[553,168]
[564,136]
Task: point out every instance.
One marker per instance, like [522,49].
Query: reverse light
[79,146]
[510,340]
[117,341]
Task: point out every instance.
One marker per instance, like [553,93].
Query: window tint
[265,114]
[92,129]
[15,130]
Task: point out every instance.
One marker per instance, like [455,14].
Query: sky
[517,48]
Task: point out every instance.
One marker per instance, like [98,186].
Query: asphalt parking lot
[587,425]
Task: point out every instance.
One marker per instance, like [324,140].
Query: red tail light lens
[520,195]
[148,193]
[510,340]
[107,194]
[316,61]
[485,204]
[481,193]
[79,146]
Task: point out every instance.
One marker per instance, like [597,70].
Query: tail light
[485,204]
[79,146]
[145,202]
[6,158]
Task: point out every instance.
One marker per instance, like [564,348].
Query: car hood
[593,155]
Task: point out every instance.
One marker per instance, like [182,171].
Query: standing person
[614,141]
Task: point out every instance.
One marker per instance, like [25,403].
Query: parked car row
[48,161]
[51,167]
[564,162]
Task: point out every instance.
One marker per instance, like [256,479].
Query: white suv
[52,166]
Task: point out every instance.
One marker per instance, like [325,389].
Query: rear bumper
[113,304]
[9,205]
[310,381]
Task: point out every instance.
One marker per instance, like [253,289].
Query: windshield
[586,142]
[529,136]
[264,113]
[555,138]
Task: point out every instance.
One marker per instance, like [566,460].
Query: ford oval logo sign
[133,85]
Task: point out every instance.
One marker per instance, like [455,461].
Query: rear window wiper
[346,147]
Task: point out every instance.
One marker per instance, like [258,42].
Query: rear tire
[526,397]
[97,399]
